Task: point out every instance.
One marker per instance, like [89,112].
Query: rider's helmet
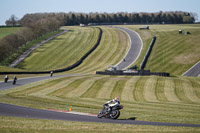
[116,99]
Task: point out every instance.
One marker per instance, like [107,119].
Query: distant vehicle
[145,28]
[82,25]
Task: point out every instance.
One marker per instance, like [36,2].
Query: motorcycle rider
[115,102]
[14,80]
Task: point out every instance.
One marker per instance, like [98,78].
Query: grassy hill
[63,51]
[172,52]
[112,48]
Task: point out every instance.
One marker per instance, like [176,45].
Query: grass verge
[24,125]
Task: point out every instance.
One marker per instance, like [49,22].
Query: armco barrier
[139,73]
[67,68]
[142,66]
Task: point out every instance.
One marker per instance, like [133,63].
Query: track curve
[134,51]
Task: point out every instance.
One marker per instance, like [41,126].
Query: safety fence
[142,65]
[136,73]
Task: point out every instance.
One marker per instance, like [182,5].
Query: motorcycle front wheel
[100,115]
[115,114]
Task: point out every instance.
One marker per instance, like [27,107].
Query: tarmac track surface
[24,81]
[134,51]
[194,71]
[19,111]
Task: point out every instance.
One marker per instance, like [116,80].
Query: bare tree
[12,21]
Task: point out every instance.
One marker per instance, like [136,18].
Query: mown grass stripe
[179,91]
[52,89]
[38,87]
[190,91]
[113,39]
[169,90]
[106,50]
[82,88]
[95,56]
[69,86]
[139,89]
[118,88]
[196,84]
[93,91]
[127,93]
[159,90]
[149,90]
[107,88]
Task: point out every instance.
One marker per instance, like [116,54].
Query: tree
[194,15]
[12,21]
[188,19]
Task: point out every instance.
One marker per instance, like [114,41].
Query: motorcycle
[113,113]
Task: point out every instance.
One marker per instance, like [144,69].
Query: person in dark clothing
[14,80]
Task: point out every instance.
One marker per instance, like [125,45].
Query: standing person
[14,80]
[51,73]
[6,79]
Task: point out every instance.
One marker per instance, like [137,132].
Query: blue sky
[21,7]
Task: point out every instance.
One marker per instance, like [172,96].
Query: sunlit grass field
[24,125]
[173,52]
[62,51]
[164,99]
[4,31]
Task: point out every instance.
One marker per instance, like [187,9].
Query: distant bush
[32,30]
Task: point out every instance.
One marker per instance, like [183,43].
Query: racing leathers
[114,103]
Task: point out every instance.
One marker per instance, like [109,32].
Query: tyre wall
[142,65]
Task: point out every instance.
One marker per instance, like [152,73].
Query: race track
[18,111]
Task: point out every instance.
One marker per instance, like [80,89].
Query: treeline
[38,24]
[72,18]
[30,31]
